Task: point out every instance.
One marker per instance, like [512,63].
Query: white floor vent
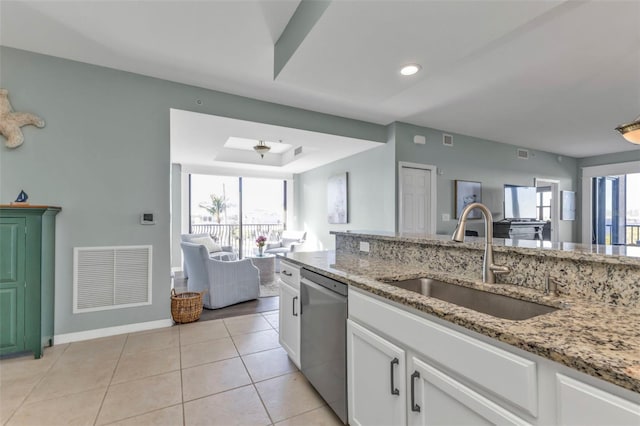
[111,277]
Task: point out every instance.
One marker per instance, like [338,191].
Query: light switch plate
[364,246]
[446,217]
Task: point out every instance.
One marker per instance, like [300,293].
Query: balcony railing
[229,235]
[632,234]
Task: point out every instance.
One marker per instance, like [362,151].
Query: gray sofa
[224,282]
[286,244]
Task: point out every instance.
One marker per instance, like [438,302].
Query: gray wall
[491,163]
[371,196]
[618,157]
[176,215]
[104,158]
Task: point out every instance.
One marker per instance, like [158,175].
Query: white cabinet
[511,377]
[455,378]
[376,379]
[385,391]
[289,329]
[584,405]
[435,398]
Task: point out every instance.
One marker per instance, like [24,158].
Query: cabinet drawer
[290,274]
[509,376]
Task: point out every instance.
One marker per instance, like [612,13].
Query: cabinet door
[582,404]
[375,379]
[12,285]
[437,399]
[290,321]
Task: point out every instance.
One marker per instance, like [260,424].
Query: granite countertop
[594,338]
[627,255]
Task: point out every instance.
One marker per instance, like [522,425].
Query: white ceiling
[548,75]
[203,140]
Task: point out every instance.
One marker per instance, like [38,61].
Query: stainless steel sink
[492,304]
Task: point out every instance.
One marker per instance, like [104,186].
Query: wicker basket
[186,307]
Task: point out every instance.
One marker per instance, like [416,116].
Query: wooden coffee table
[266,264]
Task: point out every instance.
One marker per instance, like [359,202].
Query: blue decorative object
[22,197]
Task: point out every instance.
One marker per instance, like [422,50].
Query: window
[236,210]
[543,203]
[616,209]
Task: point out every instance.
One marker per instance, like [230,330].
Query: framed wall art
[568,205]
[467,192]
[337,201]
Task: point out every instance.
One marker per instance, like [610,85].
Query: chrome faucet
[489,270]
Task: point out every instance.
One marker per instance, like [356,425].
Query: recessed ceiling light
[410,69]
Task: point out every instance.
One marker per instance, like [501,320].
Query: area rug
[262,304]
[267,302]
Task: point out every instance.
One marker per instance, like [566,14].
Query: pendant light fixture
[631,131]
[261,148]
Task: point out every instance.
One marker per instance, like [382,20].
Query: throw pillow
[286,242]
[212,246]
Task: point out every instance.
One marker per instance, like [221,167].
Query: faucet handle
[551,285]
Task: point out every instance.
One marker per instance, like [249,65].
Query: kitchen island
[587,334]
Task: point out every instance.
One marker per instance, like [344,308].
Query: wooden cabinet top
[28,207]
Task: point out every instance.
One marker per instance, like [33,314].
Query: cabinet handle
[289,274]
[394,390]
[293,306]
[414,407]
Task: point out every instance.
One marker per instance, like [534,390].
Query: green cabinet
[27,262]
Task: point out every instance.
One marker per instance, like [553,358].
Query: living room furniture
[286,244]
[267,266]
[225,252]
[224,282]
[27,278]
[186,307]
[518,230]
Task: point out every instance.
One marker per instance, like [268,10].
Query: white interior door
[417,198]
[554,209]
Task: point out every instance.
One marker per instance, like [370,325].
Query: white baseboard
[110,331]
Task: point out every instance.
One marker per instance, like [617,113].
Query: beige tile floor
[223,372]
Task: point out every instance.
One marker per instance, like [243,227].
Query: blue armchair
[224,282]
[219,252]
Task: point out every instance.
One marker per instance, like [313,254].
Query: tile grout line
[37,383]
[250,378]
[184,417]
[324,404]
[297,370]
[118,360]
[115,368]
[138,415]
[142,378]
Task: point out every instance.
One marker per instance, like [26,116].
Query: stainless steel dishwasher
[323,338]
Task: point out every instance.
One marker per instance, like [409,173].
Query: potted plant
[260,242]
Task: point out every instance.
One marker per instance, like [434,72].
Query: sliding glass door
[236,210]
[615,212]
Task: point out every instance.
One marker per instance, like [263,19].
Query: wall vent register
[111,277]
